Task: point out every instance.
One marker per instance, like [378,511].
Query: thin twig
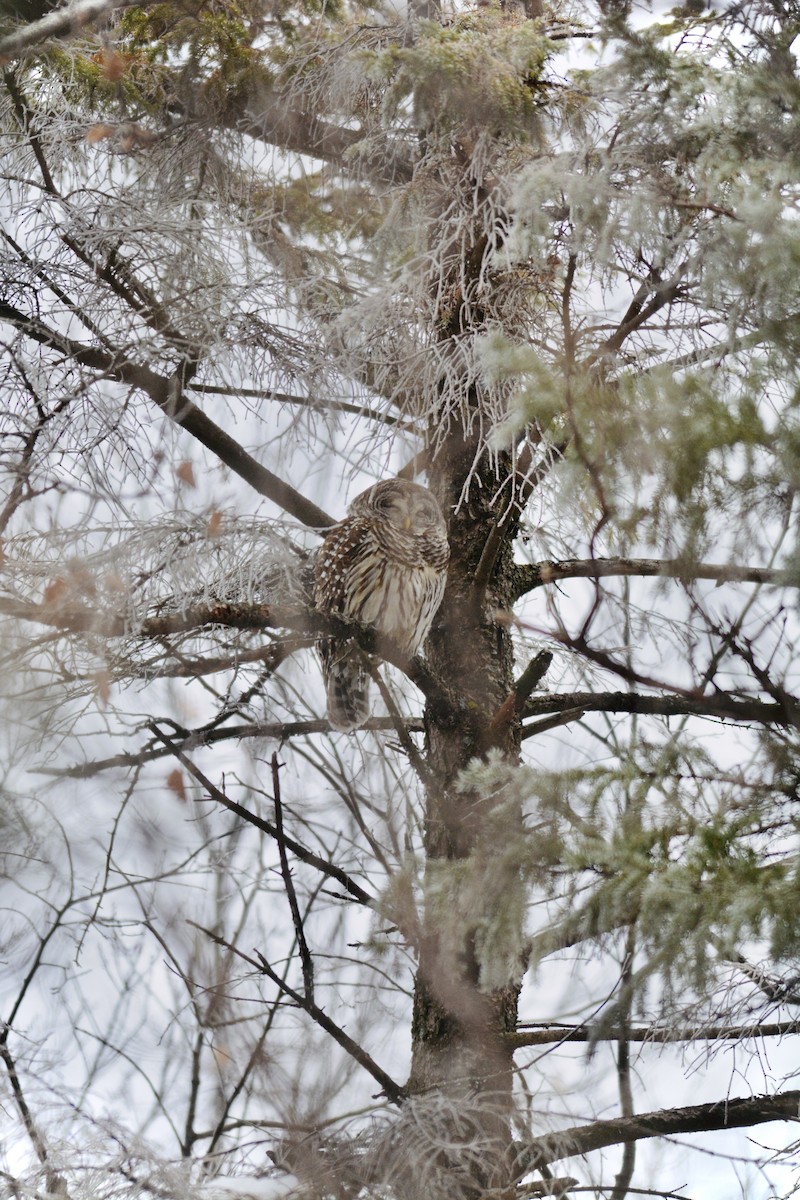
[393,1091]
[400,726]
[306,960]
[346,406]
[306,856]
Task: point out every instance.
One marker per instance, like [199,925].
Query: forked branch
[353,889]
[393,1091]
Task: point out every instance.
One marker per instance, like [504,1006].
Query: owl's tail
[346,686]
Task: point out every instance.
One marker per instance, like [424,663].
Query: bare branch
[785,712]
[280,731]
[528,577]
[719,706]
[739,1113]
[306,856]
[550,1034]
[345,406]
[624,1176]
[663,293]
[513,706]
[392,1090]
[288,883]
[55,1184]
[564,718]
[530,678]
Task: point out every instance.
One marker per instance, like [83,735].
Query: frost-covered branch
[63,22]
[267,117]
[167,394]
[777,990]
[522,484]
[75,620]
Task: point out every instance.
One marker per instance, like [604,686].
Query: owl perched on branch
[384,565]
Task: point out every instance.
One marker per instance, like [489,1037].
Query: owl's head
[405,505]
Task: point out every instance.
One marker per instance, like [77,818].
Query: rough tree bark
[459,1029]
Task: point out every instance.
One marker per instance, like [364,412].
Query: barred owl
[385,565]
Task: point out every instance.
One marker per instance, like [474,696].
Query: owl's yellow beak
[407,522]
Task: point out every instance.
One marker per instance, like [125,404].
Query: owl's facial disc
[409,515]
[406,507]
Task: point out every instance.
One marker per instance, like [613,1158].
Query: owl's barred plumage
[384,565]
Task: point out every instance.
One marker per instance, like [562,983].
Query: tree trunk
[458,1028]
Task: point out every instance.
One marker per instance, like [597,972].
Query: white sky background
[157,826]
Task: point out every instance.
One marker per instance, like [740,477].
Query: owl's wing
[343,551]
[346,680]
